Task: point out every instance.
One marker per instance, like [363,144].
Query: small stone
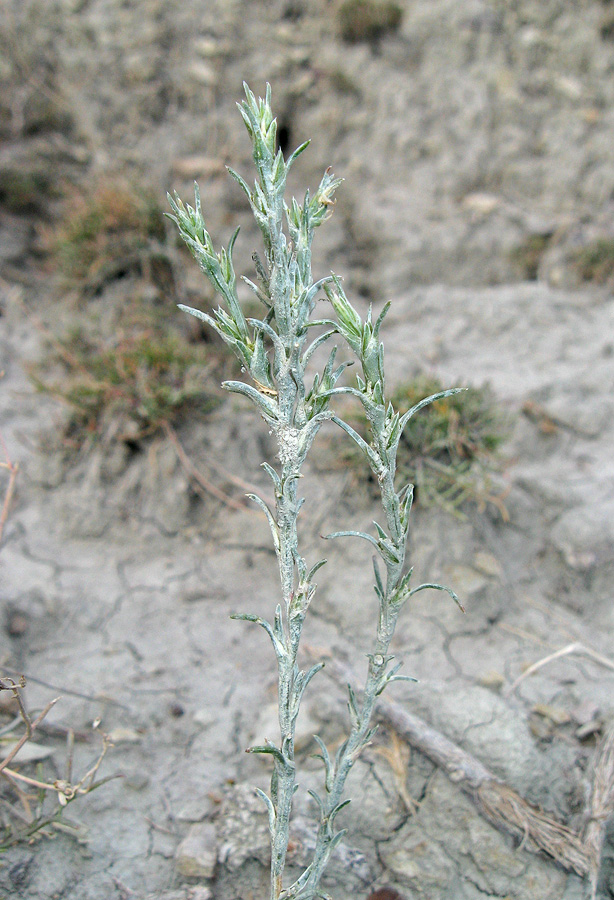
[540,727]
[493,680]
[585,712]
[196,809]
[481,203]
[124,736]
[136,782]
[466,580]
[205,718]
[555,714]
[196,855]
[30,752]
[488,564]
[569,87]
[591,728]
[208,48]
[203,73]
[200,892]
[267,726]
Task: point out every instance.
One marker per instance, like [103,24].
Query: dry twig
[501,805]
[600,805]
[13,468]
[197,476]
[564,651]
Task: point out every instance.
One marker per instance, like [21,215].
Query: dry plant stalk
[274,353]
[31,822]
[504,807]
[600,806]
[12,469]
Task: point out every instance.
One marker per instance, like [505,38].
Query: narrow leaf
[314,569]
[268,408]
[360,534]
[439,396]
[269,750]
[378,579]
[328,766]
[271,519]
[438,587]
[296,154]
[337,810]
[353,708]
[278,645]
[318,800]
[240,181]
[273,476]
[270,809]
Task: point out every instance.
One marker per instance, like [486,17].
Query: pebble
[196,855]
[203,73]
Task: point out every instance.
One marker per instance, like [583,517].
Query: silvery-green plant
[274,352]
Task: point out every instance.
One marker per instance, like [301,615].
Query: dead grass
[106,234]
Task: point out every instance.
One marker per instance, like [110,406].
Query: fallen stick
[600,805]
[501,805]
[498,802]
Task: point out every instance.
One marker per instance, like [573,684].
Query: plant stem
[275,383]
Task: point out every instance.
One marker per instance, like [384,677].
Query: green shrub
[527,255]
[131,383]
[368,20]
[595,261]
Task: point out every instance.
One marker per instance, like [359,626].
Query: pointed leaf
[240,181]
[269,750]
[438,587]
[438,396]
[337,810]
[314,346]
[328,766]
[360,534]
[271,519]
[273,476]
[379,585]
[270,809]
[268,408]
[318,800]
[198,314]
[278,645]
[380,319]
[314,569]
[353,708]
[337,840]
[296,154]
[257,291]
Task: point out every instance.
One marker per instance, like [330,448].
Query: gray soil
[468,130]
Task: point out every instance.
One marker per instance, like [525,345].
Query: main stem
[285,777]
